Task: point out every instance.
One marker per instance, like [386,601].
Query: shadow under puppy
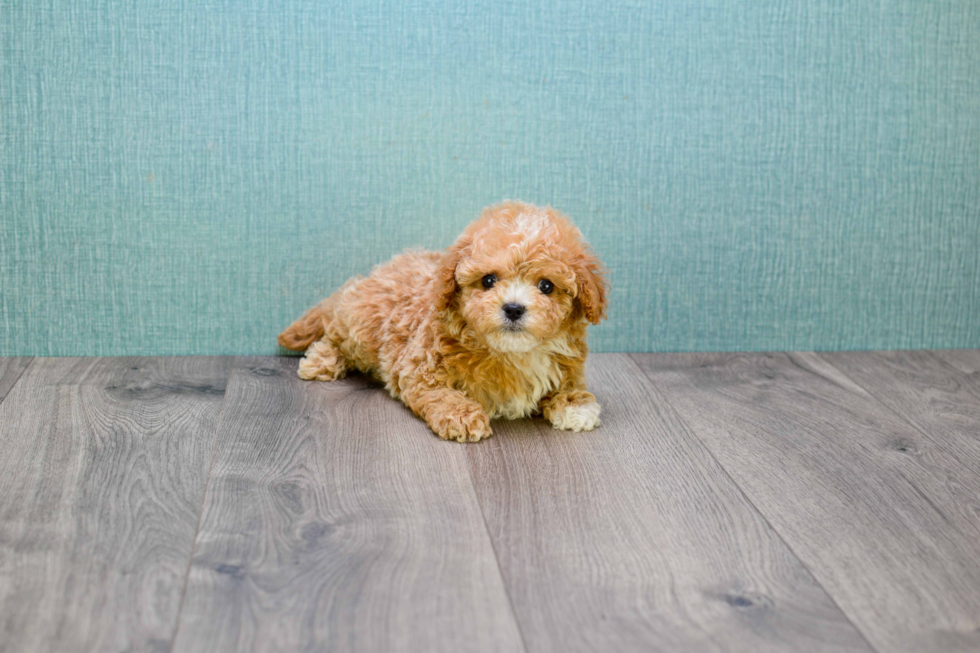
[495,326]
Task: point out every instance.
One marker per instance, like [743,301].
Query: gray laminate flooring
[728,502]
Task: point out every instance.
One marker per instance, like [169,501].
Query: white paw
[583,417]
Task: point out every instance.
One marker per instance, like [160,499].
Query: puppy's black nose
[513,311]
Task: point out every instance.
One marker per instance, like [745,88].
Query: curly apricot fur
[427,327]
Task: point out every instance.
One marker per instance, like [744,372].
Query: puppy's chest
[515,385]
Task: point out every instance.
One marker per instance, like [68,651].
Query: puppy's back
[368,306]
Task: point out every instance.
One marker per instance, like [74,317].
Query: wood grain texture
[872,506]
[943,403]
[11,370]
[965,360]
[101,480]
[632,538]
[335,520]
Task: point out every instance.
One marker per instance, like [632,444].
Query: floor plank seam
[493,548]
[874,397]
[755,507]
[912,425]
[30,363]
[200,514]
[952,368]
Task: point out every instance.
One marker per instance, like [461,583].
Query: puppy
[494,326]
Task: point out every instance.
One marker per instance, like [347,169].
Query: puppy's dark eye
[546,286]
[489,280]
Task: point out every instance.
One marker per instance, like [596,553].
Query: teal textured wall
[188,177]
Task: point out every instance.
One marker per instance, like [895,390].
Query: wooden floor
[729,502]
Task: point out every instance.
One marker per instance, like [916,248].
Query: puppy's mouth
[512,339]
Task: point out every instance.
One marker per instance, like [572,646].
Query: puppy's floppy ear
[445,277]
[592,286]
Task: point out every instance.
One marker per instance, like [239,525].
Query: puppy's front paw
[461,422]
[573,411]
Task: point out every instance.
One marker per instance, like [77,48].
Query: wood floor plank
[632,538]
[10,370]
[101,480]
[940,398]
[872,506]
[944,405]
[965,360]
[335,520]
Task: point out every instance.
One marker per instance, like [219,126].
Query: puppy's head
[518,277]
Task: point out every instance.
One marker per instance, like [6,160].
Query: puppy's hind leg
[313,332]
[323,362]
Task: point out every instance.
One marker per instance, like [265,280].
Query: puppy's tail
[307,329]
